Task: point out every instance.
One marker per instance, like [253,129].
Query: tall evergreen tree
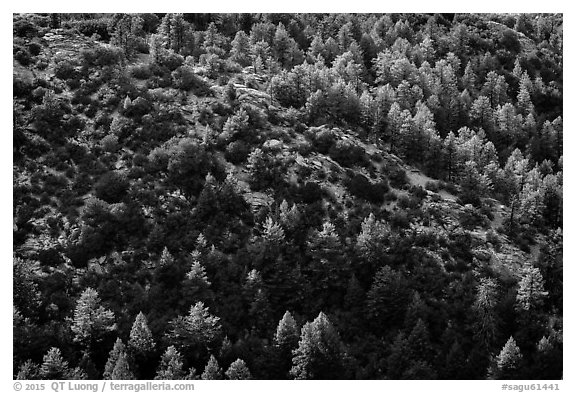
[113,357]
[507,363]
[121,369]
[141,340]
[171,365]
[212,370]
[320,352]
[91,320]
[238,370]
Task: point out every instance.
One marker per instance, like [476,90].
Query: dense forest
[287,196]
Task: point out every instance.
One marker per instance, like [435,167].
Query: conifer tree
[531,293]
[241,49]
[171,365]
[141,340]
[507,363]
[113,357]
[121,369]
[28,371]
[286,336]
[399,359]
[197,273]
[238,370]
[54,366]
[91,320]
[417,310]
[320,352]
[387,299]
[372,240]
[484,307]
[212,370]
[198,328]
[419,342]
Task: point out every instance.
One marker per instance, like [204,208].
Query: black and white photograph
[287,196]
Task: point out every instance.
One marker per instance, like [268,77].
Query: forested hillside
[287,196]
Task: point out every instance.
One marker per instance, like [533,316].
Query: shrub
[102,56]
[418,192]
[22,55]
[185,79]
[89,27]
[397,177]
[21,87]
[141,71]
[324,140]
[311,192]
[34,48]
[399,220]
[432,186]
[348,154]
[111,187]
[171,60]
[110,143]
[359,186]
[237,152]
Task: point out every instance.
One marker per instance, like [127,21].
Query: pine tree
[507,364]
[54,366]
[241,49]
[419,343]
[287,334]
[320,352]
[324,244]
[273,233]
[525,106]
[417,310]
[115,353]
[198,328]
[166,259]
[495,88]
[197,274]
[387,299]
[373,239]
[399,359]
[121,369]
[212,370]
[238,370]
[171,365]
[91,320]
[455,365]
[28,371]
[141,339]
[484,307]
[531,293]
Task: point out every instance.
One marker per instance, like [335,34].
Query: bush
[89,27]
[432,186]
[34,48]
[171,60]
[237,152]
[139,107]
[110,143]
[418,192]
[21,87]
[102,56]
[311,192]
[359,186]
[324,140]
[141,71]
[22,55]
[185,79]
[397,177]
[111,187]
[348,154]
